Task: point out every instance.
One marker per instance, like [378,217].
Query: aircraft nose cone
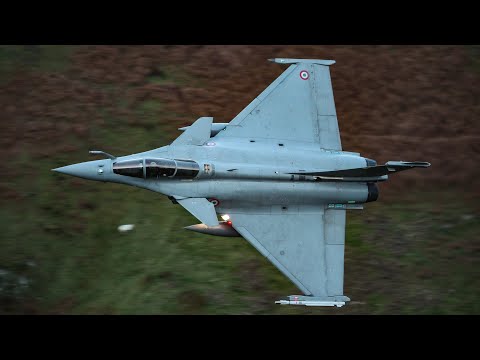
[79,170]
[88,170]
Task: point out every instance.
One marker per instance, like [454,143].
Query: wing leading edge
[305,243]
[297,106]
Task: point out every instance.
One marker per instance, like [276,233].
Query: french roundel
[214,201]
[304,75]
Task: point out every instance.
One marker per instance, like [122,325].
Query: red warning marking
[214,201]
[304,75]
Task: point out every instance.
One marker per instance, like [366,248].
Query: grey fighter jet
[276,174]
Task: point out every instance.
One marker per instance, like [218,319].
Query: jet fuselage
[263,167]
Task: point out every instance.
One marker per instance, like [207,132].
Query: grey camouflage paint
[276,170]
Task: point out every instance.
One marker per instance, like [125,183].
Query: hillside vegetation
[414,251]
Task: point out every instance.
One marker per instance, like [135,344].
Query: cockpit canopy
[156,168]
[133,168]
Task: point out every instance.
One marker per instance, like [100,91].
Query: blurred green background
[414,251]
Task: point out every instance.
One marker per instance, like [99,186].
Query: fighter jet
[276,174]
